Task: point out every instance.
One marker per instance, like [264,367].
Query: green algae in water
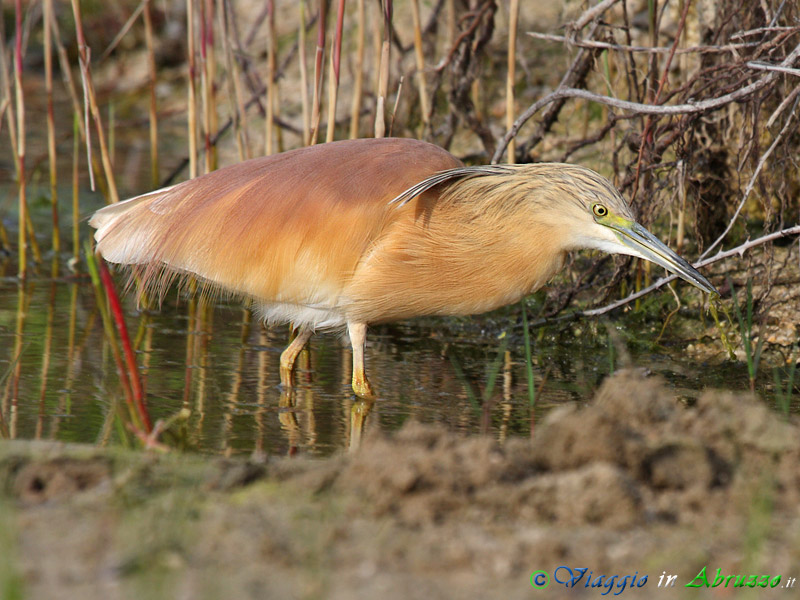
[712,307]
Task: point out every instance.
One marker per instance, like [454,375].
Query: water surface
[65,385]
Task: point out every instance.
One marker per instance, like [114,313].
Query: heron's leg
[289,355]
[358,338]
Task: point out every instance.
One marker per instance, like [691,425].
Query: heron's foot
[287,377]
[289,356]
[361,386]
[287,414]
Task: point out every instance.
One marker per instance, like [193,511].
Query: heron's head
[578,206]
[596,216]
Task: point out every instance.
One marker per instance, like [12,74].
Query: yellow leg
[358,338]
[289,355]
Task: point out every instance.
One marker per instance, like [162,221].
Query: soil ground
[633,483]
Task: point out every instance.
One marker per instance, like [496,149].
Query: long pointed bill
[648,246]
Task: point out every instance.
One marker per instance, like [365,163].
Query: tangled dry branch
[702,128]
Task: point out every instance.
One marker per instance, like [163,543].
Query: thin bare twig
[751,184]
[762,30]
[585,43]
[768,67]
[464,35]
[125,28]
[782,106]
[593,13]
[637,107]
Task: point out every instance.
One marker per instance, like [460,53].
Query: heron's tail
[122,234]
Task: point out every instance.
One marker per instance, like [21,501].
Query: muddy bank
[634,483]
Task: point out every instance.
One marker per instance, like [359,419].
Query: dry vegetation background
[689,106]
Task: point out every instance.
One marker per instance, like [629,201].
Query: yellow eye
[599,210]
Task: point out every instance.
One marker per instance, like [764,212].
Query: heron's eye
[599,210]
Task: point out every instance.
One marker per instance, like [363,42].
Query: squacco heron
[360,232]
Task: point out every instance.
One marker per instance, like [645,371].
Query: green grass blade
[528,356]
[494,370]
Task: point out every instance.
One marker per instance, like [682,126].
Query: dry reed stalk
[66,72]
[513,18]
[333,76]
[3,408]
[318,74]
[200,336]
[46,353]
[4,113]
[310,422]
[450,19]
[269,145]
[8,100]
[36,252]
[152,78]
[147,350]
[232,83]
[69,81]
[383,71]
[76,209]
[419,56]
[358,83]
[301,44]
[23,303]
[28,235]
[261,387]
[19,151]
[191,89]
[64,404]
[232,397]
[91,98]
[112,130]
[207,78]
[4,104]
[191,328]
[376,24]
[683,62]
[681,228]
[51,127]
[397,97]
[475,96]
[4,241]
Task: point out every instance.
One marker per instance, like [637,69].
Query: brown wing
[288,228]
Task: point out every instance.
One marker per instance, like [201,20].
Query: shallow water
[432,370]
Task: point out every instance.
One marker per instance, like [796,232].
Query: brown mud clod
[632,481]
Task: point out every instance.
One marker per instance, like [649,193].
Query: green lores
[701,580]
[646,245]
